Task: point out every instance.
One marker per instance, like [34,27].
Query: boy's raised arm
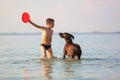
[37,26]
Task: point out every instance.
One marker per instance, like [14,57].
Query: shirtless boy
[46,37]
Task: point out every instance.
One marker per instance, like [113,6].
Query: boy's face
[51,24]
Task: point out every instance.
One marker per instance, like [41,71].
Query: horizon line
[39,33]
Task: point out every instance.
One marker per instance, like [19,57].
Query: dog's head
[66,36]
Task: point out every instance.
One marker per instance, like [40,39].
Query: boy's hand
[29,21]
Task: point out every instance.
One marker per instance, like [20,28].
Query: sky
[69,15]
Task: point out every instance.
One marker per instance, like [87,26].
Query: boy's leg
[49,53]
[44,55]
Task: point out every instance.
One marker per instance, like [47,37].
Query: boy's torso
[47,36]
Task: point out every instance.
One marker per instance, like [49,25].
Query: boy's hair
[49,20]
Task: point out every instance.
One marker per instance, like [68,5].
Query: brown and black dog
[70,49]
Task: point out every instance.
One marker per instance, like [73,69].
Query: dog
[70,49]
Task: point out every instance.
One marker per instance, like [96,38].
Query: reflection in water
[68,70]
[68,66]
[26,74]
[46,68]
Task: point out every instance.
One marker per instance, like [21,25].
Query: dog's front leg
[64,56]
[64,53]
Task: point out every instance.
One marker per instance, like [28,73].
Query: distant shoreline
[82,33]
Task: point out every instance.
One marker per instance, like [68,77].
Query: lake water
[19,58]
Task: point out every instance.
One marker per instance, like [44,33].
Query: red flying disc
[25,17]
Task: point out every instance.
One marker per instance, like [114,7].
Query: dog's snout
[61,35]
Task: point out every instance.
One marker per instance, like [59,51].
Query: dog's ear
[70,35]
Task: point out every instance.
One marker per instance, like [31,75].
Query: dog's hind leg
[78,56]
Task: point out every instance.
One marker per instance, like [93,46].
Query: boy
[46,37]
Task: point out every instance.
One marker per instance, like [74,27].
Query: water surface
[19,58]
